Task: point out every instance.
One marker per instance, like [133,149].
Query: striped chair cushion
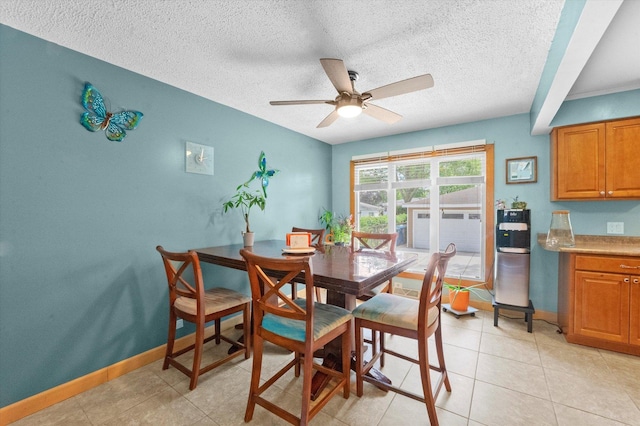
[325,318]
[393,310]
[215,299]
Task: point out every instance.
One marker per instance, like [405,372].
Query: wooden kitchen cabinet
[634,312]
[599,301]
[602,306]
[596,161]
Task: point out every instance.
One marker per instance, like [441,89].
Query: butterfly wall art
[96,117]
[263,174]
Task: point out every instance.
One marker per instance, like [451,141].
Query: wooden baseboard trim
[35,403]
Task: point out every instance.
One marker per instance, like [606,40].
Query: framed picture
[522,170]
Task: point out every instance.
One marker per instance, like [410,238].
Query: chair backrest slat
[267,276]
[184,275]
[374,241]
[431,292]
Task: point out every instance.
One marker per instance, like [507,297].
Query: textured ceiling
[485,56]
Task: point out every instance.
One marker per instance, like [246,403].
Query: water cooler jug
[513,244]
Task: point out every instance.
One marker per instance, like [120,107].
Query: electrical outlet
[179,323]
[615,227]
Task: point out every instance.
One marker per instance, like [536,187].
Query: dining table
[345,274]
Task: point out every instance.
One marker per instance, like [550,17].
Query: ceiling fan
[350,103]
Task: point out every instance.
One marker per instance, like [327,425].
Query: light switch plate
[615,227]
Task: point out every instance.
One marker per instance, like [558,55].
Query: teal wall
[81,285]
[511,138]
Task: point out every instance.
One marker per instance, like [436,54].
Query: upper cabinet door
[623,158]
[596,161]
[578,162]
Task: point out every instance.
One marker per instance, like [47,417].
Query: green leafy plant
[245,200]
[518,204]
[339,226]
[326,219]
[470,288]
[455,288]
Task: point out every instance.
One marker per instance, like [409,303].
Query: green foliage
[461,288]
[326,219]
[245,200]
[378,224]
[339,226]
[409,172]
[467,167]
[375,224]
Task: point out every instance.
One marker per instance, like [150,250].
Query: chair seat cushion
[215,300]
[393,310]
[325,318]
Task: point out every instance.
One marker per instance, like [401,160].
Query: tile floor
[499,376]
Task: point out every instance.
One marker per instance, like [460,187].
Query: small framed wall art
[522,170]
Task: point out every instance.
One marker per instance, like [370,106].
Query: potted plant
[244,199]
[518,204]
[326,219]
[338,227]
[459,295]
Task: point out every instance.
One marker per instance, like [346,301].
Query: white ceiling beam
[594,21]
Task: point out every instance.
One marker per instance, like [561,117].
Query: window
[453,216]
[430,198]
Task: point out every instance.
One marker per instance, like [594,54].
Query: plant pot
[248,238]
[519,205]
[459,300]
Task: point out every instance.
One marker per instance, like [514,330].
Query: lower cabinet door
[602,306]
[634,311]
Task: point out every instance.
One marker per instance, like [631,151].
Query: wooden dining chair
[414,319]
[379,242]
[317,241]
[189,300]
[299,325]
[317,236]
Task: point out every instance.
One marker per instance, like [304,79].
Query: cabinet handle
[623,266]
[636,281]
[610,192]
[601,192]
[626,280]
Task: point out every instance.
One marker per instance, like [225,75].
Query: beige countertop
[599,244]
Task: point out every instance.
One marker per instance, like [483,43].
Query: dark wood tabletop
[345,274]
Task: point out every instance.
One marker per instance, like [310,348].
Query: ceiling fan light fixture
[349,111]
[349,106]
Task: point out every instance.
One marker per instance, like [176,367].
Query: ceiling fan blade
[301,102]
[409,85]
[337,73]
[329,119]
[382,114]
